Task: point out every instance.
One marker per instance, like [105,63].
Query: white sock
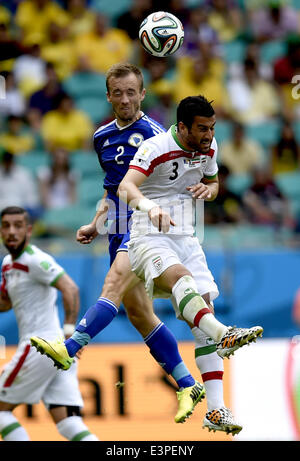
[10,428]
[211,368]
[194,309]
[74,429]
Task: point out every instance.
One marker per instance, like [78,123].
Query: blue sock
[163,347]
[95,319]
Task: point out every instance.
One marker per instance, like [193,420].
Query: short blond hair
[122,70]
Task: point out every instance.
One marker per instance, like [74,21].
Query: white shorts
[151,255]
[30,377]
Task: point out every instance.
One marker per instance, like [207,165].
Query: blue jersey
[116,147]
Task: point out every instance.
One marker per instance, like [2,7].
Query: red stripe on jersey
[10,379]
[138,168]
[212,375]
[172,155]
[15,265]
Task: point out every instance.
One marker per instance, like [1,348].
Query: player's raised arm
[129,192]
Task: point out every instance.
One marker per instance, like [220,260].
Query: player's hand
[86,234]
[79,353]
[161,219]
[200,191]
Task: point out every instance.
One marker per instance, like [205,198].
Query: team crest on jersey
[136,139]
[157,263]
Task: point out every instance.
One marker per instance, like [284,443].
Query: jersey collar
[126,126]
[175,137]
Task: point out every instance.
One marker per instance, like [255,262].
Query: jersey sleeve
[211,168]
[44,269]
[144,158]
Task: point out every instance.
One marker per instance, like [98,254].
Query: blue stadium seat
[86,163]
[289,184]
[223,131]
[68,218]
[234,51]
[239,183]
[85,84]
[33,160]
[90,191]
[296,126]
[271,51]
[98,109]
[267,133]
[113,9]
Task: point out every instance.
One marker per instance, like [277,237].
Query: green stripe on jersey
[56,278]
[8,429]
[29,250]
[211,177]
[80,436]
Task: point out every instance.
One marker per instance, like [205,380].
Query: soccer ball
[161,34]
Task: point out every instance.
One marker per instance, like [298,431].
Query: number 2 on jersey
[120,149]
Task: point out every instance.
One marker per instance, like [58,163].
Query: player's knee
[73,429]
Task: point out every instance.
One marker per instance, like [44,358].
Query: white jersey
[28,280]
[170,170]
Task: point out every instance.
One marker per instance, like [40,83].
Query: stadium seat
[90,191]
[98,109]
[85,84]
[266,133]
[239,183]
[113,9]
[271,51]
[296,126]
[86,162]
[68,218]
[234,51]
[33,160]
[253,236]
[289,184]
[223,131]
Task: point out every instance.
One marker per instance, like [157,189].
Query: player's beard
[132,116]
[15,251]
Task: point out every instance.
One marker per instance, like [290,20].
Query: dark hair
[192,106]
[122,70]
[15,210]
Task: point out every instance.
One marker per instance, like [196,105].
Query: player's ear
[143,94]
[108,97]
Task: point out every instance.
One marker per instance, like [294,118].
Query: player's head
[15,229]
[195,123]
[125,91]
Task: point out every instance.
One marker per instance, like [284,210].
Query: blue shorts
[117,242]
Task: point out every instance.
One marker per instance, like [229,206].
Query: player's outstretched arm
[5,302]
[87,233]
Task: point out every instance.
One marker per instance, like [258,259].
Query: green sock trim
[80,436]
[205,350]
[9,429]
[187,299]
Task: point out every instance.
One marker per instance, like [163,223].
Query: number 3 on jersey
[174,171]
[120,149]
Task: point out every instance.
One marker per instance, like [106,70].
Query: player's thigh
[26,376]
[139,309]
[64,389]
[119,279]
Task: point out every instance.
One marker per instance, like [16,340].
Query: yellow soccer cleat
[55,350]
[188,399]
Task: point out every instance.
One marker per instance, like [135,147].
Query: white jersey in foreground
[28,280]
[170,170]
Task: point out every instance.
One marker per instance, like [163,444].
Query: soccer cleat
[221,419]
[55,350]
[188,399]
[235,338]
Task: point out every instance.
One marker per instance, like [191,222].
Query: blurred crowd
[244,55]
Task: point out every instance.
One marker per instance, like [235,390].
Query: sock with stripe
[163,347]
[10,428]
[211,368]
[96,318]
[194,309]
[74,430]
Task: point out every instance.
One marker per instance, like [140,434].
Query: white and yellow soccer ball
[161,34]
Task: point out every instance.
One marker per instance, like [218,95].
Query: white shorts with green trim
[151,255]
[31,377]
